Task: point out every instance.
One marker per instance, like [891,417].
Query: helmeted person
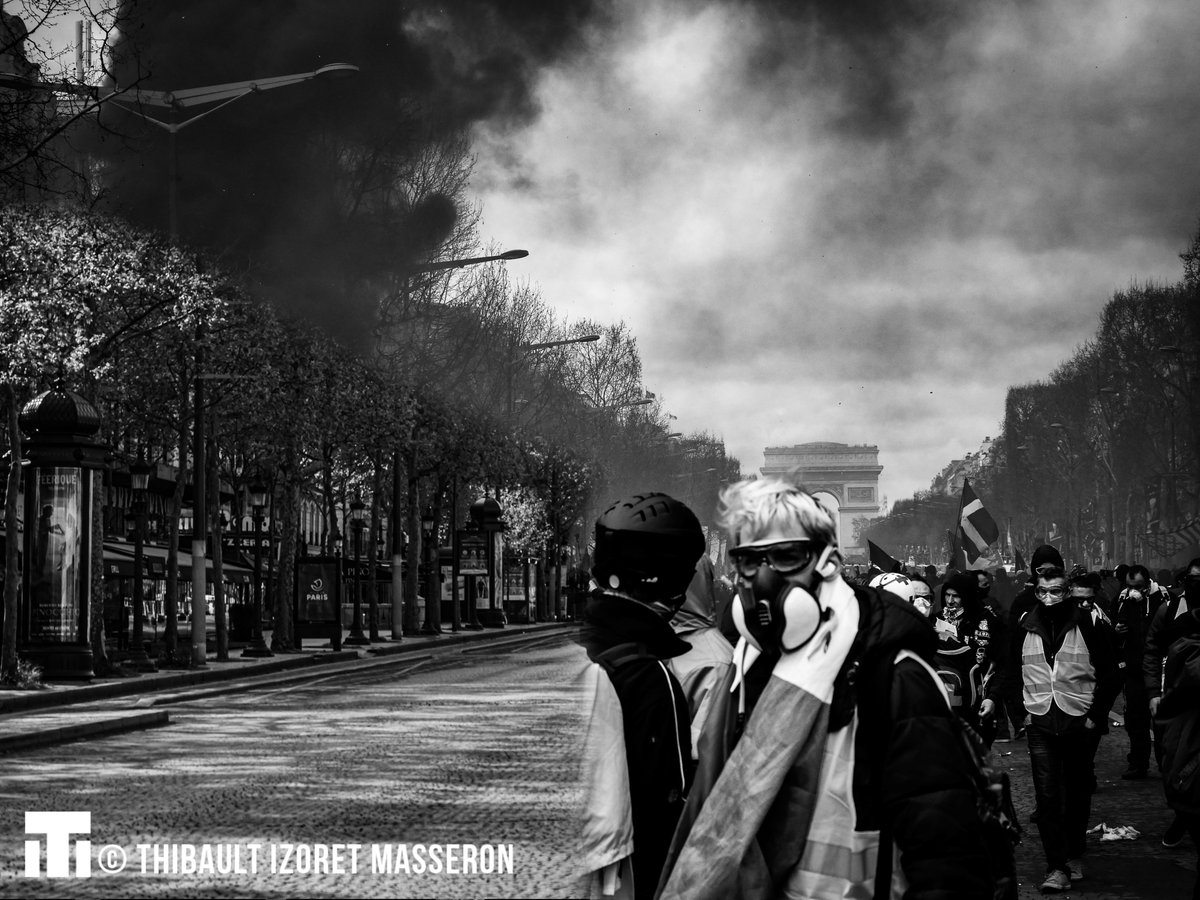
[707,663]
[896,583]
[639,757]
[824,771]
[1070,678]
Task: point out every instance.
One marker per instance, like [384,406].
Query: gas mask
[778,594]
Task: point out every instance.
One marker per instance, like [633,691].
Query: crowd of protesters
[1043,656]
[788,730]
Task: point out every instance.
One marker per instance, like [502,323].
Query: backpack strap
[620,654]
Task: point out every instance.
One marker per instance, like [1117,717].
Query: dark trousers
[1137,722]
[1063,770]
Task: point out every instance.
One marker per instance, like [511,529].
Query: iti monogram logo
[58,827]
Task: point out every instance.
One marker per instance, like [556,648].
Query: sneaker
[1174,834]
[1075,867]
[1133,774]
[1056,882]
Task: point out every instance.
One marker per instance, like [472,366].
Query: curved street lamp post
[397,524]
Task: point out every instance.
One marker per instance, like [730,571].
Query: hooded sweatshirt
[708,661]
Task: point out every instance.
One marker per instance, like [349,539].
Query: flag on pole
[977,529]
[883,560]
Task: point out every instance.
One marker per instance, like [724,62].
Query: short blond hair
[749,508]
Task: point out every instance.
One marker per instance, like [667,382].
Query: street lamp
[357,515]
[397,525]
[463,263]
[433,606]
[258,504]
[139,479]
[530,348]
[173,101]
[221,94]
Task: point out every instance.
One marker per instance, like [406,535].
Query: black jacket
[1178,717]
[630,642]
[1162,631]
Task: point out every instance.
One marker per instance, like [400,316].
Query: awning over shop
[156,563]
[118,565]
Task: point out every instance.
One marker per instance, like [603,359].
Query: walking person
[639,755]
[824,771]
[1136,607]
[1169,624]
[1177,715]
[1070,678]
[969,654]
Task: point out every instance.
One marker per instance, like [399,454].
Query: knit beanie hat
[1047,553]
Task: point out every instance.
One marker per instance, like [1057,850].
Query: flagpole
[956,547]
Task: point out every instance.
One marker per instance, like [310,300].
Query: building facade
[844,477]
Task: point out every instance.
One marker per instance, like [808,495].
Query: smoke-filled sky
[823,220]
[857,227]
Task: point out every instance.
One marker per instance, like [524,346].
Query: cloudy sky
[823,220]
[825,225]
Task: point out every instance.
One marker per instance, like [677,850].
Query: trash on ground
[1115,832]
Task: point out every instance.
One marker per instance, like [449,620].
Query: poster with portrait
[57,554]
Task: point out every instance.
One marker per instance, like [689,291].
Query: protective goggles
[1050,592]
[784,557]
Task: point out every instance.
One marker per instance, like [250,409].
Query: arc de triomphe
[844,477]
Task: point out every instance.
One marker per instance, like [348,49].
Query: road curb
[63,734]
[48,699]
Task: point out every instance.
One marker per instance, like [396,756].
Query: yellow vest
[1070,684]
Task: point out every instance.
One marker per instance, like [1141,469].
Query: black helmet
[647,546]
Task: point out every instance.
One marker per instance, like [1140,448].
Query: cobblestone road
[478,751]
[1140,869]
[474,749]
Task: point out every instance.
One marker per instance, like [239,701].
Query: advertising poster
[317,582]
[57,555]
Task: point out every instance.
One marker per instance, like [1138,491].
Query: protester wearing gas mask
[822,766]
[1070,677]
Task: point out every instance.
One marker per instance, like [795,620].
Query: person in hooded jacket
[646,550]
[823,765]
[707,663]
[970,657]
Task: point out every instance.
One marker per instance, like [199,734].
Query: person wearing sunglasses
[1070,677]
[823,763]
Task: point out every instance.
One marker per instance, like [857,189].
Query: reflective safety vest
[1070,684]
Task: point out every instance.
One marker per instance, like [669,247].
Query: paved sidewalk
[66,711]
